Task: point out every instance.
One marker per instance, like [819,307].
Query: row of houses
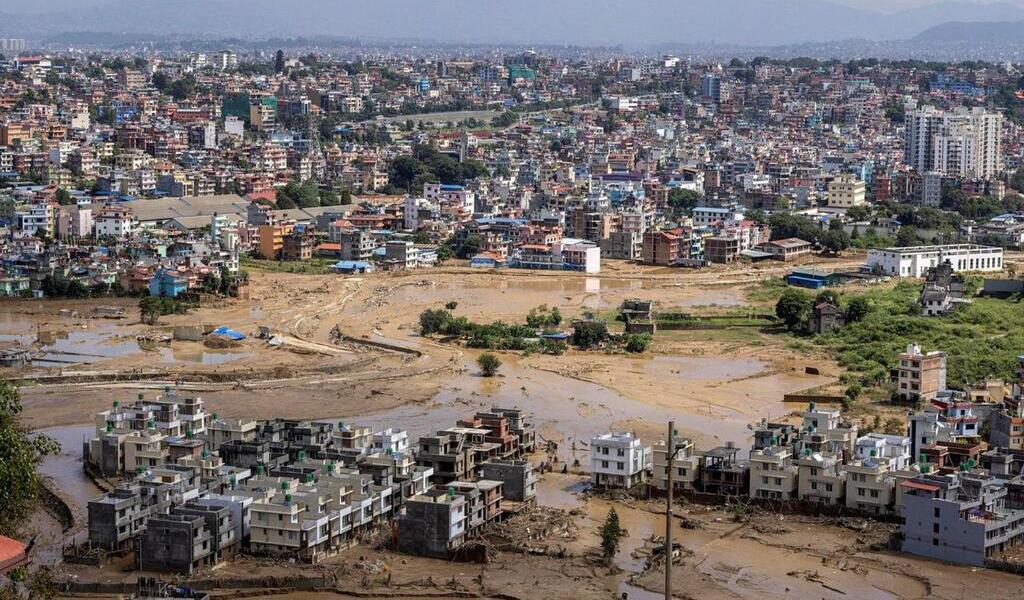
[199,488]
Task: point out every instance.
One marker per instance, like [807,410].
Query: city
[307,316]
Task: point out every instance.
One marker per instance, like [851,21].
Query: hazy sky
[878,5]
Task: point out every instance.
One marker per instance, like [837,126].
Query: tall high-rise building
[12,46]
[959,143]
[711,87]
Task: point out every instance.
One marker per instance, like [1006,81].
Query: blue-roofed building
[348,267]
[812,279]
[167,283]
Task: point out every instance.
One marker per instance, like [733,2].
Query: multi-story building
[965,142]
[686,464]
[920,376]
[822,478]
[619,460]
[961,518]
[846,191]
[773,474]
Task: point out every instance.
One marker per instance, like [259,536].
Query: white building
[619,460]
[114,221]
[894,448]
[961,143]
[704,216]
[390,440]
[914,261]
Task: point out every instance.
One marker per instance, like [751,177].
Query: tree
[149,309]
[346,197]
[611,533]
[433,320]
[279,62]
[588,334]
[858,308]
[489,364]
[329,198]
[64,198]
[638,342]
[683,200]
[858,213]
[20,454]
[161,81]
[793,308]
[907,236]
[835,241]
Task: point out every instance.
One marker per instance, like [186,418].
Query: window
[937,512]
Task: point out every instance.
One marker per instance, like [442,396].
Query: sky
[886,6]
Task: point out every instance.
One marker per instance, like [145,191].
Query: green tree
[588,334]
[346,197]
[834,241]
[20,454]
[858,308]
[638,342]
[433,320]
[64,198]
[489,364]
[611,533]
[683,201]
[149,309]
[793,308]
[907,236]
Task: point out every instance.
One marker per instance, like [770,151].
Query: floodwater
[65,468]
[562,409]
[203,357]
[699,369]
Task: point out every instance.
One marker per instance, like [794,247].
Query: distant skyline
[636,24]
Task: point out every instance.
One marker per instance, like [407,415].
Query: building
[915,261]
[959,517]
[686,464]
[619,460]
[942,292]
[822,478]
[846,191]
[721,249]
[825,317]
[786,249]
[434,524]
[114,221]
[773,474]
[964,142]
[920,376]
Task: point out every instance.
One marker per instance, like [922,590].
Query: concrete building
[964,142]
[434,524]
[822,478]
[619,460]
[961,518]
[686,464]
[915,261]
[846,191]
[920,376]
[517,477]
[773,474]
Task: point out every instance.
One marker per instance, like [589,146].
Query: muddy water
[565,410]
[700,369]
[65,469]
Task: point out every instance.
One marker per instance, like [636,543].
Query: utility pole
[670,456]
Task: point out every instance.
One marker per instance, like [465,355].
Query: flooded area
[701,369]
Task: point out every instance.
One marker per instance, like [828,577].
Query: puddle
[202,357]
[66,341]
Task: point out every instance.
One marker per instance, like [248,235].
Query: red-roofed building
[13,554]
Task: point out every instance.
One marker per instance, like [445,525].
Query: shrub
[588,334]
[489,364]
[638,342]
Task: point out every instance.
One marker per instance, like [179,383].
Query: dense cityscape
[415,321]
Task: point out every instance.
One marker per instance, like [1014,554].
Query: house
[825,317]
[962,518]
[488,260]
[773,474]
[920,376]
[167,283]
[618,460]
[722,473]
[13,554]
[942,292]
[787,249]
[349,267]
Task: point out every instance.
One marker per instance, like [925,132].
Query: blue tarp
[228,333]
